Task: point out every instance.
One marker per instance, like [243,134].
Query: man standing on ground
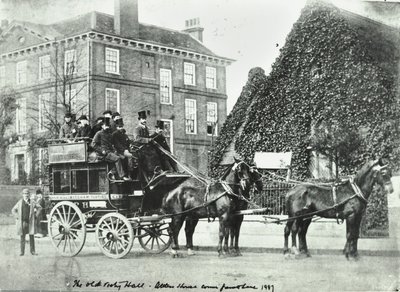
[24,212]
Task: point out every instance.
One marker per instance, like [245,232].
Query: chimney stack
[126,18]
[192,26]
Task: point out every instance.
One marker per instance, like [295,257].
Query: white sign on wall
[273,160]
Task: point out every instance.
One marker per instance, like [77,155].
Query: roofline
[140,45]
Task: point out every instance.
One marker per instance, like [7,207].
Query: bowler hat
[115,115]
[107,112]
[119,122]
[160,124]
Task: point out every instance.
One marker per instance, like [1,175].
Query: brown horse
[194,199]
[346,201]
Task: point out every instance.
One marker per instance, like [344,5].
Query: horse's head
[382,175]
[247,175]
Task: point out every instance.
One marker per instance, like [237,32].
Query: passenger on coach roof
[158,136]
[121,144]
[84,128]
[96,127]
[68,130]
[141,132]
[115,116]
[103,145]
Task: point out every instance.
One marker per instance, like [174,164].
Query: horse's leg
[349,221]
[232,239]
[190,225]
[355,235]
[294,230]
[236,231]
[288,228]
[176,226]
[303,236]
[223,227]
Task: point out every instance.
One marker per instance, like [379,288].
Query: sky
[249,31]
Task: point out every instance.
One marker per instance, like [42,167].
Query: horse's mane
[363,171]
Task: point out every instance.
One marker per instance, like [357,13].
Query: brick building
[97,61]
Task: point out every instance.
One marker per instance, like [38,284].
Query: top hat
[68,115]
[107,121]
[160,124]
[83,117]
[142,115]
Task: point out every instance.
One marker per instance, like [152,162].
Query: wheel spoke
[74,235]
[108,226]
[158,244]
[124,240]
[112,224]
[73,217]
[107,242]
[73,240]
[69,213]
[152,243]
[61,239]
[147,241]
[61,217]
[116,248]
[75,229]
[162,240]
[69,243]
[65,243]
[76,222]
[123,226]
[54,236]
[64,214]
[59,222]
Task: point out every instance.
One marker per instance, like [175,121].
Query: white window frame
[44,60]
[216,121]
[171,138]
[21,72]
[214,77]
[20,116]
[195,116]
[68,60]
[71,100]
[2,76]
[107,60]
[169,85]
[118,99]
[192,75]
[44,100]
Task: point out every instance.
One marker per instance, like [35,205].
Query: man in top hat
[84,128]
[68,130]
[121,144]
[141,132]
[96,127]
[103,145]
[158,136]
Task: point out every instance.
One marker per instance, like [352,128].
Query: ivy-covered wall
[336,68]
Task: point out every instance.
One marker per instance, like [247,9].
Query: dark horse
[346,200]
[193,199]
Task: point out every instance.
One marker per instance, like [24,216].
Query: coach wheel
[154,238]
[67,228]
[114,235]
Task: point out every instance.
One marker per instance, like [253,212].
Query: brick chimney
[192,26]
[126,18]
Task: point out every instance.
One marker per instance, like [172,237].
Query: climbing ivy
[335,69]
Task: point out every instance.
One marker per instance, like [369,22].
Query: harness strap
[357,190]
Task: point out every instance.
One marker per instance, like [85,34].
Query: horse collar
[357,190]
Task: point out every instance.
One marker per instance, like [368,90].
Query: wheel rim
[67,228]
[114,235]
[154,238]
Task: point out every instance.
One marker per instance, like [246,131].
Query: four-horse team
[136,188]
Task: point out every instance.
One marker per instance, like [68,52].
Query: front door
[20,167]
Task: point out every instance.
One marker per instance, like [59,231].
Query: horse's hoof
[300,256]
[308,255]
[288,256]
[295,251]
[190,252]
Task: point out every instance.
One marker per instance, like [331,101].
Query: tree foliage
[8,106]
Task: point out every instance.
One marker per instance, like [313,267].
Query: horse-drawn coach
[84,199]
